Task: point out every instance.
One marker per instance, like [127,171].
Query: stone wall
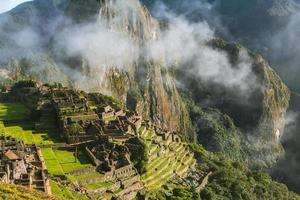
[127,191]
[130,181]
[79,138]
[92,180]
[92,157]
[83,171]
[123,172]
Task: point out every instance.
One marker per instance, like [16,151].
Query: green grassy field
[60,162]
[29,136]
[13,112]
[69,162]
[14,122]
[53,165]
[84,176]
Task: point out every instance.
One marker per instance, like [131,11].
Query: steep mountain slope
[287,169]
[258,113]
[148,87]
[143,86]
[224,179]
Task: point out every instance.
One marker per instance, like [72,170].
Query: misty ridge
[268,27]
[102,46]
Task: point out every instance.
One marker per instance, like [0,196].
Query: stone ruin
[93,122]
[23,165]
[79,122]
[113,161]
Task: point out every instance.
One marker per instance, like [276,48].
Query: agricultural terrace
[165,159]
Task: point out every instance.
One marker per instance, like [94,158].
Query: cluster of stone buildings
[99,126]
[113,161]
[84,117]
[23,165]
[89,121]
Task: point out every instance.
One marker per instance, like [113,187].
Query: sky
[6,5]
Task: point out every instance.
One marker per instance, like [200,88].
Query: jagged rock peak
[129,17]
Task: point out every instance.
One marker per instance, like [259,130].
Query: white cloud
[6,5]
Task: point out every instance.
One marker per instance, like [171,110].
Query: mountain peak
[130,17]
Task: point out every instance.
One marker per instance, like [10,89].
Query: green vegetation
[61,191]
[13,192]
[52,162]
[14,122]
[88,176]
[215,131]
[70,162]
[26,133]
[229,180]
[181,193]
[60,162]
[74,129]
[164,160]
[232,180]
[13,112]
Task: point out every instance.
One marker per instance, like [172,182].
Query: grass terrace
[84,176]
[13,112]
[164,162]
[26,133]
[60,162]
[14,122]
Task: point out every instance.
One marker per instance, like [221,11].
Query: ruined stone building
[84,117]
[23,165]
[113,161]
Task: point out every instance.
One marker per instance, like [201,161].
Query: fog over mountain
[10,4]
[270,27]
[198,69]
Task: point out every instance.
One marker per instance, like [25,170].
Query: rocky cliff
[146,86]
[142,85]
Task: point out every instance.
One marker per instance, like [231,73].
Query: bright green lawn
[60,162]
[68,161]
[13,117]
[13,111]
[28,136]
[84,176]
[53,166]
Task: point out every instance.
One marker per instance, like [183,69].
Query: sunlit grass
[13,111]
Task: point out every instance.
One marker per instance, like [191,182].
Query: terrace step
[183,169]
[156,165]
[155,172]
[163,175]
